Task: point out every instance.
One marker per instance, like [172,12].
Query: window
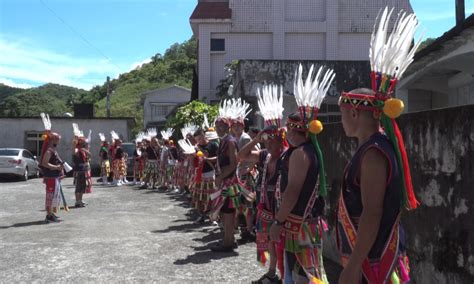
[7,152]
[217,44]
[159,111]
[34,142]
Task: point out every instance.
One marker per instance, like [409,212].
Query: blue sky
[80,42]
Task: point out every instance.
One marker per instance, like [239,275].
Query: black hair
[255,130]
[198,132]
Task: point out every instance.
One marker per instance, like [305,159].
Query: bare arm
[373,178]
[248,152]
[298,168]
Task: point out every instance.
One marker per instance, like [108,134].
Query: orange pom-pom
[393,108]
[315,127]
[211,129]
[200,154]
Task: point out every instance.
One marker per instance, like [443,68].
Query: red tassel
[373,79]
[406,168]
[280,250]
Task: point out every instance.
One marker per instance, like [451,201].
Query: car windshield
[8,152]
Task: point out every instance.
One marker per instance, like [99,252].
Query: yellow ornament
[393,108]
[43,137]
[315,127]
[200,154]
[211,129]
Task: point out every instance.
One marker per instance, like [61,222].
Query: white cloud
[12,83]
[22,60]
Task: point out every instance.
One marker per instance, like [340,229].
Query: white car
[18,162]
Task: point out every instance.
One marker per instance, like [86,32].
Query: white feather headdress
[77,132]
[114,135]
[166,134]
[46,121]
[270,103]
[140,136]
[151,133]
[102,137]
[89,136]
[310,94]
[188,128]
[187,147]
[391,55]
[239,109]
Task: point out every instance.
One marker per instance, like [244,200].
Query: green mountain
[174,67]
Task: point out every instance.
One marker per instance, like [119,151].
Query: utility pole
[107,103]
[460,12]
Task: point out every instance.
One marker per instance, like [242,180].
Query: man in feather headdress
[303,182]
[81,168]
[52,168]
[270,102]
[377,181]
[104,159]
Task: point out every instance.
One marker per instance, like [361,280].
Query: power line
[81,36]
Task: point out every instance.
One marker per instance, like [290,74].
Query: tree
[224,84]
[192,112]
[425,43]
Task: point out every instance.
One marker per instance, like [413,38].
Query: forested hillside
[175,67]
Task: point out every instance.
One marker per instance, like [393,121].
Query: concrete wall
[13,132]
[287,30]
[440,147]
[252,74]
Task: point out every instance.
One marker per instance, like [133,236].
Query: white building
[443,73]
[160,103]
[281,30]
[26,133]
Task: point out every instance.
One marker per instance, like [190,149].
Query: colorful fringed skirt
[138,168]
[303,243]
[152,169]
[118,168]
[227,199]
[202,191]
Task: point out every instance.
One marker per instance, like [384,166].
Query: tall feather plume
[187,147]
[188,128]
[239,109]
[270,103]
[76,130]
[102,137]
[166,134]
[205,125]
[114,135]
[391,54]
[46,121]
[151,133]
[310,95]
[89,136]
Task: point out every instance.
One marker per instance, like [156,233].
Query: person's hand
[349,275]
[275,232]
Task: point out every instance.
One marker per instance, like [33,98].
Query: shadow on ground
[203,255]
[26,224]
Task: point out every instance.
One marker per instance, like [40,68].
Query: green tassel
[388,126]
[322,172]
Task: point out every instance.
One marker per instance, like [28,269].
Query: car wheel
[25,175]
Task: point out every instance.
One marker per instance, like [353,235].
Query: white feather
[270,102]
[313,92]
[187,147]
[46,121]
[102,137]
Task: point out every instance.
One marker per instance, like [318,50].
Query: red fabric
[406,168]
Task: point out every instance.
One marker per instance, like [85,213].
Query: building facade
[161,102]
[443,72]
[334,30]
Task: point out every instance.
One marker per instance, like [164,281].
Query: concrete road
[124,234]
